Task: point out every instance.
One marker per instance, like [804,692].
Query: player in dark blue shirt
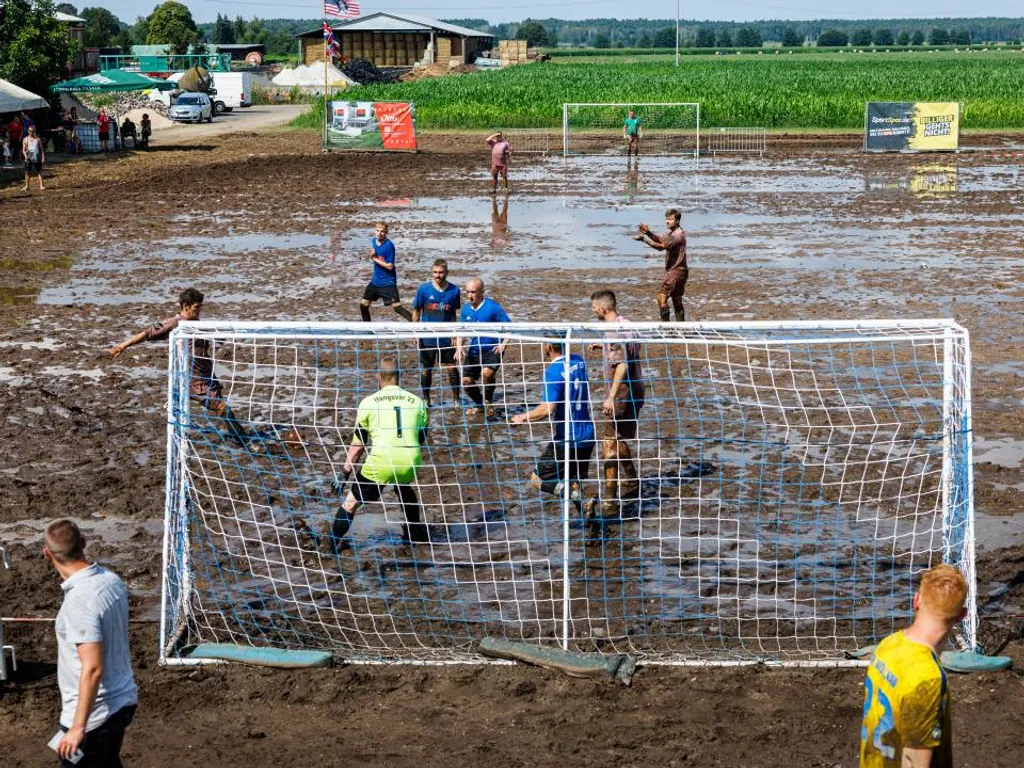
[573,430]
[480,356]
[384,283]
[437,302]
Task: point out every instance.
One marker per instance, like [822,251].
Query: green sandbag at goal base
[573,663]
[262,657]
[954,661]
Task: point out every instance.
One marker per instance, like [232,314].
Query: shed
[398,40]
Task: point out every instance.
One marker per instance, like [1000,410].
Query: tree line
[655,33]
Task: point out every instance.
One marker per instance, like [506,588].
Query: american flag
[344,9]
[330,43]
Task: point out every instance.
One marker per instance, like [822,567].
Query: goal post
[792,483]
[664,129]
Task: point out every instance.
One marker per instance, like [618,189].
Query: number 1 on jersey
[398,420]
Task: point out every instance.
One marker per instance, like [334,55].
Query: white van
[234,89]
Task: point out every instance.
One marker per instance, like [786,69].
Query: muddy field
[266,226]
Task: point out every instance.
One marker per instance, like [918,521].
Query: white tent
[15,99]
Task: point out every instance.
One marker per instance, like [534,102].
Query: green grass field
[825,91]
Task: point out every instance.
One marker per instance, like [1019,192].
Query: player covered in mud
[565,380]
[203,387]
[393,423]
[481,356]
[673,243]
[437,301]
[624,397]
[383,283]
[632,132]
[501,150]
[906,719]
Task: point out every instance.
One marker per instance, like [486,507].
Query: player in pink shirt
[500,152]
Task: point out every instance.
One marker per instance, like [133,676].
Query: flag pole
[326,61]
[677,33]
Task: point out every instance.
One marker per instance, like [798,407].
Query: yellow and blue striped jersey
[906,705]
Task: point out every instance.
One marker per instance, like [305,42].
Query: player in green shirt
[632,132]
[394,423]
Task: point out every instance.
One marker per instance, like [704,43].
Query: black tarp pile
[365,72]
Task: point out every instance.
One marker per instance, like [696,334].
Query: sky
[515,10]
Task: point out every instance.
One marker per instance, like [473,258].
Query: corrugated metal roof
[68,18]
[399,22]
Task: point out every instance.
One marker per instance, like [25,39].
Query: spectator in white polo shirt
[94,670]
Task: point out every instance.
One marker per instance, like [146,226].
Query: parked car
[231,89]
[192,108]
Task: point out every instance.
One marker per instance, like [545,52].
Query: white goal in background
[531,141]
[594,129]
[796,479]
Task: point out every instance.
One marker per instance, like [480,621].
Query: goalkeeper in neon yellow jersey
[393,423]
[906,720]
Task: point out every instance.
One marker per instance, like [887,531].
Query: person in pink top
[500,152]
[624,397]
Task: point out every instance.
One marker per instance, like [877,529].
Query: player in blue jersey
[437,302]
[384,283]
[481,356]
[574,430]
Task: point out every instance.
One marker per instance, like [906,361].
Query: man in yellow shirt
[906,722]
[394,423]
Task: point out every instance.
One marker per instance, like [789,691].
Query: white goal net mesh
[662,129]
[792,482]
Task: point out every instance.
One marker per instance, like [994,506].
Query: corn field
[809,92]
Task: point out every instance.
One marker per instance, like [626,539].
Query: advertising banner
[928,126]
[371,125]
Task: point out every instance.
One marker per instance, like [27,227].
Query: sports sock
[364,312]
[663,311]
[426,379]
[489,392]
[403,312]
[473,393]
[456,383]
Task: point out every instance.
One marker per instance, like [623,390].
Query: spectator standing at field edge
[673,243]
[32,151]
[94,670]
[907,719]
[501,150]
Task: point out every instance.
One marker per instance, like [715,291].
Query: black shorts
[102,745]
[429,355]
[386,293]
[552,461]
[473,368]
[34,166]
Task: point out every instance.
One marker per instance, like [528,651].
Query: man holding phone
[94,668]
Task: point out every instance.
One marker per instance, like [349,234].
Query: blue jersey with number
[437,305]
[385,252]
[581,428]
[489,311]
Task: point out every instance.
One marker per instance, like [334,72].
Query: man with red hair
[906,721]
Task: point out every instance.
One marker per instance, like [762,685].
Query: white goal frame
[942,346]
[640,106]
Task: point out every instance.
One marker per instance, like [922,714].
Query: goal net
[663,129]
[786,486]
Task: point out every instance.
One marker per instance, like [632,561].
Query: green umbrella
[112,80]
